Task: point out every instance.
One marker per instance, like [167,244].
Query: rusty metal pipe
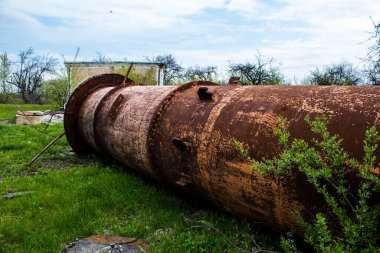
[182,135]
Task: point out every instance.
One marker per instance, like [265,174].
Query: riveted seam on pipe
[164,104]
[96,126]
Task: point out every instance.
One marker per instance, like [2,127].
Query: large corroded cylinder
[182,136]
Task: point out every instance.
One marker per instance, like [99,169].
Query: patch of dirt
[54,163]
[65,159]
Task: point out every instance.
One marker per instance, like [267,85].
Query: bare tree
[196,73]
[337,74]
[373,56]
[259,72]
[29,73]
[71,74]
[101,58]
[58,89]
[172,71]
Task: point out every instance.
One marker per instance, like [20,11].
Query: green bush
[11,98]
[326,166]
[56,91]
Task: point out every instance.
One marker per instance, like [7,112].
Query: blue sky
[299,34]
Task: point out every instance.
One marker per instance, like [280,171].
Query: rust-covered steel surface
[182,136]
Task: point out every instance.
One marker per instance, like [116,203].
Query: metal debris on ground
[106,244]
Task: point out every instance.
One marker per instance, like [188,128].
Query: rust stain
[270,119]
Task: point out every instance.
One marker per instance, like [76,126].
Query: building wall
[146,73]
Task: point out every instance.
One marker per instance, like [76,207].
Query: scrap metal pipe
[182,136]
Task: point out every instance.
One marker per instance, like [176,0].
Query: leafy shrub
[326,166]
[56,91]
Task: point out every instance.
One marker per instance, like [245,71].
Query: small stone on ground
[11,195]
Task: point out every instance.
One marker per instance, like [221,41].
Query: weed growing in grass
[326,166]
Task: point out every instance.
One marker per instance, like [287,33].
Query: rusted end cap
[75,102]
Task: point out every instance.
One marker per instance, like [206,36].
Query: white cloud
[331,30]
[99,18]
[246,7]
[300,34]
[114,12]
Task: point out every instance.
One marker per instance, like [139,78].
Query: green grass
[9,111]
[19,144]
[75,197]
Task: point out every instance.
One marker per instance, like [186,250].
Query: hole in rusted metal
[180,144]
[204,94]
